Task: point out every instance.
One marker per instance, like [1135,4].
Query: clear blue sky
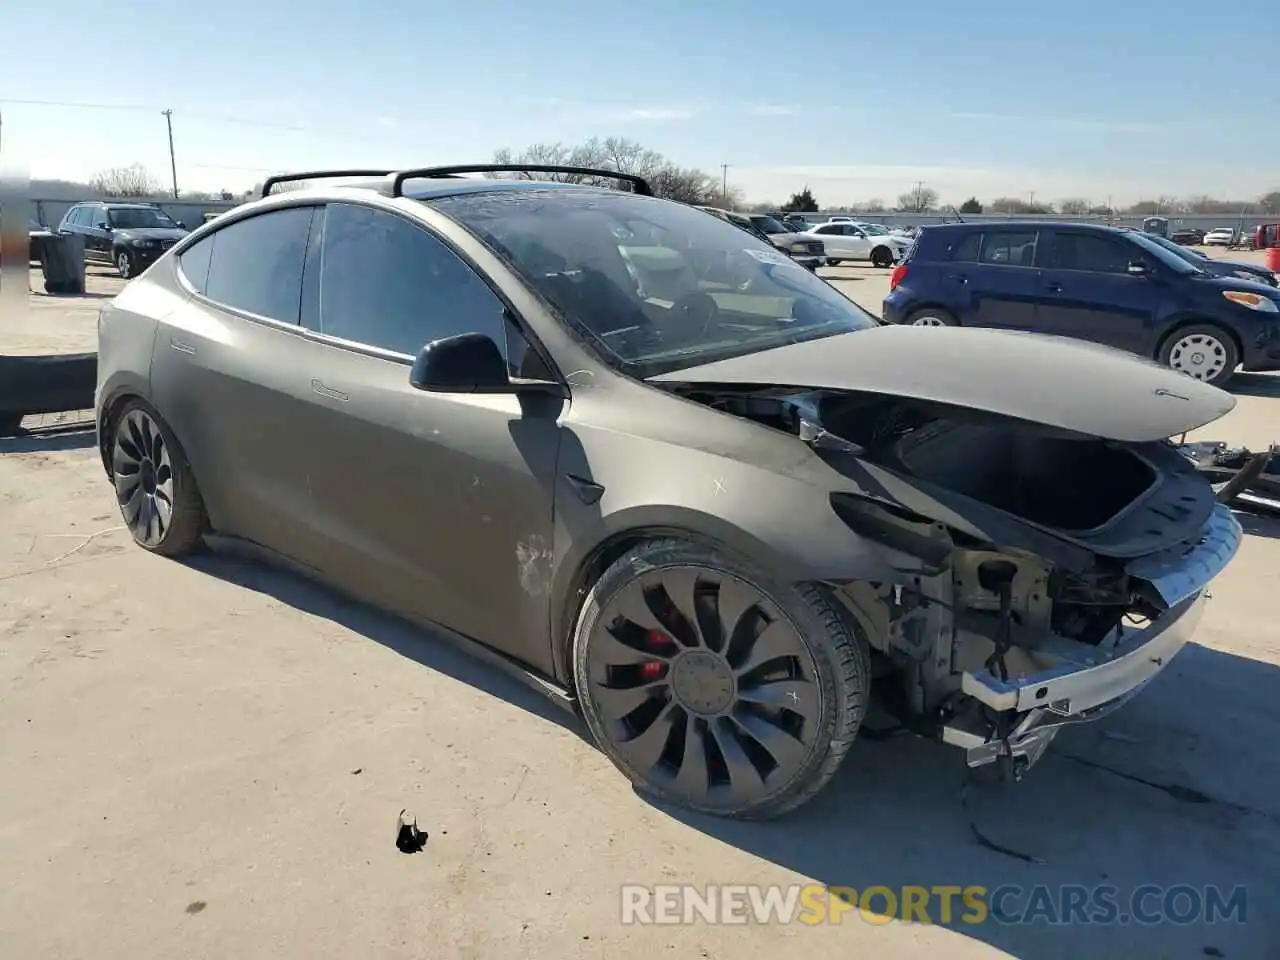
[1126,98]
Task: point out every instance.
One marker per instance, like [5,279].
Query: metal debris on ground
[1246,481]
[409,839]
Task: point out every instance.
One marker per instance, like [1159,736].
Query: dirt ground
[207,760]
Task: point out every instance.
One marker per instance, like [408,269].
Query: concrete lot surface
[207,759]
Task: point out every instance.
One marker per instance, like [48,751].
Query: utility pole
[1031,200]
[724,181]
[173,164]
[919,196]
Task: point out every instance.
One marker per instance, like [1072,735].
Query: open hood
[1054,381]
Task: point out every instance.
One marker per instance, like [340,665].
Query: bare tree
[874,205]
[919,199]
[1269,202]
[684,184]
[1074,206]
[122,182]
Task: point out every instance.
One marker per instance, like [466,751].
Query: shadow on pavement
[1181,789]
[1255,385]
[429,647]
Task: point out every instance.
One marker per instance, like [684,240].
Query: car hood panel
[1054,381]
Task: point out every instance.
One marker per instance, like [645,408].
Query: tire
[832,262]
[124,265]
[1215,346]
[932,317]
[882,257]
[714,694]
[151,478]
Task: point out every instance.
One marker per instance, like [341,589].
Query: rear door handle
[1053,287]
[958,277]
[329,392]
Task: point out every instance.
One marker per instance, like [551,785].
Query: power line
[137,107]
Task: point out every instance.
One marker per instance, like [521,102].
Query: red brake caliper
[659,643]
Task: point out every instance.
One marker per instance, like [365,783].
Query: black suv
[129,236]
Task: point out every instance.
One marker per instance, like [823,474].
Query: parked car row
[629,453]
[1113,286]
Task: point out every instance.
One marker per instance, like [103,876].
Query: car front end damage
[1033,574]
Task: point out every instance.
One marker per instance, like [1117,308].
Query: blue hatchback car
[1113,287]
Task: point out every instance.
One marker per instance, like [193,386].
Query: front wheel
[714,686]
[1202,351]
[832,262]
[882,257]
[125,265]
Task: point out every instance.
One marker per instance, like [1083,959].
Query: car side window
[1008,248]
[852,231]
[966,251]
[389,283]
[194,262]
[256,263]
[828,229]
[1080,251]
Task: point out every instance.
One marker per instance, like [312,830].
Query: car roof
[125,205]
[1024,225]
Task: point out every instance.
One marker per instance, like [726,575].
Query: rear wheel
[932,317]
[124,264]
[1202,351]
[712,685]
[882,257]
[155,487]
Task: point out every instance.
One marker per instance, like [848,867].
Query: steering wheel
[696,309]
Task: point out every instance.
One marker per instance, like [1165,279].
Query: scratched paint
[533,559]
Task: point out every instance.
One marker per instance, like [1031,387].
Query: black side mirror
[182,225]
[103,225]
[1137,269]
[467,363]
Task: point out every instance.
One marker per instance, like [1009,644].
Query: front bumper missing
[1091,682]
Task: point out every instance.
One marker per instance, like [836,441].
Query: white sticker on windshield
[769,256]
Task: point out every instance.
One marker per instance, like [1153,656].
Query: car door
[74,223]
[857,244]
[833,240]
[1002,286]
[438,504]
[1090,294]
[227,374]
[97,238]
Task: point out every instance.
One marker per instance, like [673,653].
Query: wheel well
[1197,322]
[935,307]
[592,568]
[107,422]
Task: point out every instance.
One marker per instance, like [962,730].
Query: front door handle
[1053,287]
[181,346]
[958,277]
[329,392]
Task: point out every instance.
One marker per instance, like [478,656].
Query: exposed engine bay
[1061,552]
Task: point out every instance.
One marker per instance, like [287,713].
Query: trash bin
[1271,259]
[63,264]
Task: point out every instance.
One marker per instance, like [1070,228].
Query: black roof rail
[638,184]
[318,175]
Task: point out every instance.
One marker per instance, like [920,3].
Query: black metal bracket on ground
[49,384]
[1242,479]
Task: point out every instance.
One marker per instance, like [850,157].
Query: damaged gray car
[648,464]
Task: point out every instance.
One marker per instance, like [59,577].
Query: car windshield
[133,218]
[1171,260]
[769,225]
[654,286]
